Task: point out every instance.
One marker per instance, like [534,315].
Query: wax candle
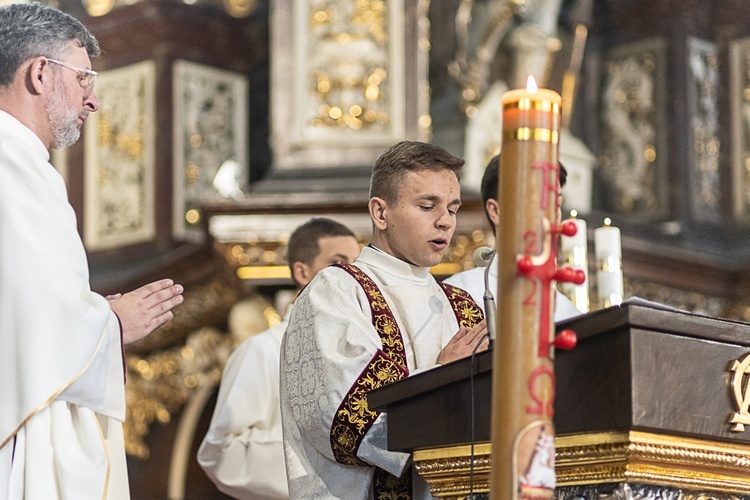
[523,373]
[574,253]
[571,246]
[608,251]
[607,241]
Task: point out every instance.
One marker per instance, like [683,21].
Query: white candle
[610,288]
[607,241]
[570,246]
[608,251]
[574,253]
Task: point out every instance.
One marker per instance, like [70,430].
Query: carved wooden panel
[119,165]
[702,127]
[633,162]
[349,79]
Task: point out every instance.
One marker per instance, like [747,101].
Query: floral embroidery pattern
[382,316]
[466,310]
[386,486]
[354,418]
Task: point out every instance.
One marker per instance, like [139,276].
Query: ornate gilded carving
[204,304]
[628,491]
[633,162]
[235,8]
[348,57]
[268,255]
[166,367]
[159,384]
[739,94]
[664,460]
[609,464]
[119,166]
[348,79]
[449,471]
[210,140]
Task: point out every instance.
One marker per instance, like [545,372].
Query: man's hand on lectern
[463,343]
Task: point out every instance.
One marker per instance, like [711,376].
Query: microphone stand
[490,310]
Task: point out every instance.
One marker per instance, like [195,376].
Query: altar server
[357,327]
[242,452]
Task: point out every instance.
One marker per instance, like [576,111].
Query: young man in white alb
[358,327]
[243,452]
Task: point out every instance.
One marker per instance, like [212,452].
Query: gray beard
[62,119]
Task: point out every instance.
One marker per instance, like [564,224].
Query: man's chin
[432,260]
[66,141]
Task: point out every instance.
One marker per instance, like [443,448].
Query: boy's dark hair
[304,244]
[490,181]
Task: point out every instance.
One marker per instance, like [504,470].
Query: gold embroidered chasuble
[331,341]
[354,417]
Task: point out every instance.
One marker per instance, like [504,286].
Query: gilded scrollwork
[210,140]
[204,304]
[159,384]
[272,252]
[348,79]
[611,466]
[674,463]
[633,161]
[348,57]
[739,94]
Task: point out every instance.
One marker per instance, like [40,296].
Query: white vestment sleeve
[49,317]
[329,342]
[242,452]
[99,386]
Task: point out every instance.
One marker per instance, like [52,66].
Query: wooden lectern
[652,401]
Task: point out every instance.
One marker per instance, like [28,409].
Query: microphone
[482,257]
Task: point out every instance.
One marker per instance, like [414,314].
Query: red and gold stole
[354,418]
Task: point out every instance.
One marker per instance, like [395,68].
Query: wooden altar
[651,399]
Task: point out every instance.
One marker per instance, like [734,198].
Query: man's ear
[378,213]
[301,274]
[493,211]
[39,75]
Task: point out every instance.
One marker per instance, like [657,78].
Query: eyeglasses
[86,77]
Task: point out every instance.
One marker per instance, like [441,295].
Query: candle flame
[574,213]
[607,221]
[531,86]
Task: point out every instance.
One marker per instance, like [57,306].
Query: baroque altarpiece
[226,124]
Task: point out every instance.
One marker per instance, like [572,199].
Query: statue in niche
[512,38]
[500,43]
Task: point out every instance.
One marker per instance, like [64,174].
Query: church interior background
[226,123]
